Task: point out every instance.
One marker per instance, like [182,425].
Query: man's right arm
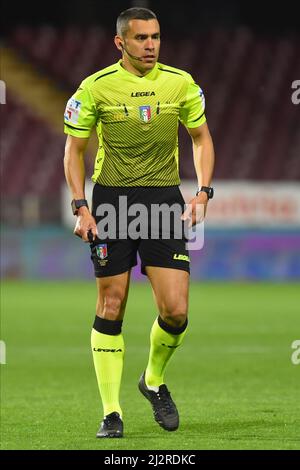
[75,176]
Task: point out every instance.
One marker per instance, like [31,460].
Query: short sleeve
[80,113]
[192,112]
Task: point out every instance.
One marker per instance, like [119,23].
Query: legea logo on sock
[106,350]
[168,346]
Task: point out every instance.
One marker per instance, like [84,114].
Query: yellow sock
[162,346]
[108,355]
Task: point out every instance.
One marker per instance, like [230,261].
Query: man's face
[142,40]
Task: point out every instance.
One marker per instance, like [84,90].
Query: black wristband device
[208,190]
[77,203]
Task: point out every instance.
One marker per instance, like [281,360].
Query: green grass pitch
[233,379]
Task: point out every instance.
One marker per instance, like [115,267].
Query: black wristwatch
[207,190]
[77,203]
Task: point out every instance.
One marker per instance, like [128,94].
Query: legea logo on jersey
[72,110]
[142,93]
[145,113]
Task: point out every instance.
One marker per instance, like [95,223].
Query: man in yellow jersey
[136,105]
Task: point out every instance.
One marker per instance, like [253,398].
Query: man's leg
[107,342]
[170,288]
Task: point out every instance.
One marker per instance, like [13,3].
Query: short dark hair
[135,13]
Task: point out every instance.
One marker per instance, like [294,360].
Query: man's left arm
[204,157]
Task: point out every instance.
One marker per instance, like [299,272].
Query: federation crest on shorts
[145,113]
[101,251]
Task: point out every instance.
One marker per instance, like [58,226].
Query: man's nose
[149,44]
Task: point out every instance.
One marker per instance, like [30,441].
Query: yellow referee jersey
[136,119]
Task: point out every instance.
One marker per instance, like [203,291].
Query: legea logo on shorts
[138,221]
[181,257]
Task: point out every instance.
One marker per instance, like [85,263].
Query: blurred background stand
[244,55]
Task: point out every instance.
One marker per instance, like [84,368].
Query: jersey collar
[150,76]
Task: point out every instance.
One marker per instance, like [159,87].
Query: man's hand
[196,210]
[85,223]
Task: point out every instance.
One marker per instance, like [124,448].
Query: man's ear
[119,43]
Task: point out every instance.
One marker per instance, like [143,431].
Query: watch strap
[206,189]
[77,203]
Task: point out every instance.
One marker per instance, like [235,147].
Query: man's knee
[174,314]
[111,304]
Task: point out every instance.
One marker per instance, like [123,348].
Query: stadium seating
[31,153]
[247,82]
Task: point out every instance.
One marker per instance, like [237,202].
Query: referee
[135,105]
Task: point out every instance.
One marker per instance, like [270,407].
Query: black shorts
[126,226]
